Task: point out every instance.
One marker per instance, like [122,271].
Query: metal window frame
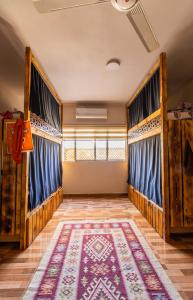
[98,160]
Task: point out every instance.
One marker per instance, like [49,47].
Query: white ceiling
[74,45]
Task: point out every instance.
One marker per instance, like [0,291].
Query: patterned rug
[100,260]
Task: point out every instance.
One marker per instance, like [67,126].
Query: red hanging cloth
[19,138]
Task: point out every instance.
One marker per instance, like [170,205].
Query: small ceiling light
[113,64]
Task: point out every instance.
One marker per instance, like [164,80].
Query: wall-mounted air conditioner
[91,113]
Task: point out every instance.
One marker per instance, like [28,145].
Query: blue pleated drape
[145,168]
[44,170]
[146,102]
[42,103]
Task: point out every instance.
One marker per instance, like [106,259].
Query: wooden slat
[187,158]
[146,135]
[152,212]
[18,199]
[157,219]
[60,195]
[188,124]
[154,217]
[38,221]
[58,198]
[25,160]
[41,218]
[44,215]
[55,201]
[52,200]
[45,212]
[29,230]
[8,188]
[49,215]
[160,228]
[164,147]
[175,171]
[34,226]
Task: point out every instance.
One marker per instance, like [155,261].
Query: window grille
[89,144]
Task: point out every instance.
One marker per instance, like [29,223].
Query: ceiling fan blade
[46,6]
[143,28]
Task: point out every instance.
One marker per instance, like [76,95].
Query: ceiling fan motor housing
[124,5]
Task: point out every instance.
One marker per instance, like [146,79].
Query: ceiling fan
[133,9]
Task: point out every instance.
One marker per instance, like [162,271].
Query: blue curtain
[42,103]
[44,170]
[146,102]
[145,168]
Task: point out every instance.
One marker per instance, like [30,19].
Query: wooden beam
[25,156]
[188,124]
[28,59]
[45,135]
[145,121]
[164,148]
[45,78]
[146,135]
[175,173]
[187,171]
[144,81]
[61,147]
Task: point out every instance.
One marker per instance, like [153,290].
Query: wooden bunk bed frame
[157,216]
[176,214]
[33,222]
[23,225]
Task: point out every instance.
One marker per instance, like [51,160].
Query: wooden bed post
[164,144]
[25,160]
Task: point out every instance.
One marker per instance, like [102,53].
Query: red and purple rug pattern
[100,261]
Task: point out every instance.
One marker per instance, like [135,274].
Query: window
[98,144]
[85,150]
[101,150]
[116,149]
[69,150]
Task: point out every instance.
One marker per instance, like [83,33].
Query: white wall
[180,95]
[95,177]
[12,69]
[116,115]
